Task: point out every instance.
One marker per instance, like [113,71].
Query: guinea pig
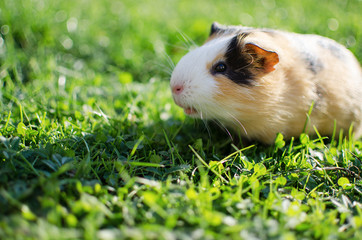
[261,82]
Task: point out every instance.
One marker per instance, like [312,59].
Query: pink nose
[177,89]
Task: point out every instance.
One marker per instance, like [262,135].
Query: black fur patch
[215,28]
[314,64]
[237,62]
[333,47]
[219,29]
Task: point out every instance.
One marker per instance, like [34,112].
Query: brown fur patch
[230,90]
[263,60]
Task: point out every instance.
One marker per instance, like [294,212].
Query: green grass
[93,147]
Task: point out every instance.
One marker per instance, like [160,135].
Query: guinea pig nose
[177,89]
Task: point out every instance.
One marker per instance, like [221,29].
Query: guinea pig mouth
[190,110]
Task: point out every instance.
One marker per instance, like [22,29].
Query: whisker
[187,40]
[169,60]
[222,126]
[178,47]
[207,127]
[242,126]
[164,68]
[203,119]
[167,66]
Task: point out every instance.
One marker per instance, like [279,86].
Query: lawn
[93,147]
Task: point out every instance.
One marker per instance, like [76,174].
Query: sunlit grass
[92,145]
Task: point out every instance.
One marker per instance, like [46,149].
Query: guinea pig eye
[220,67]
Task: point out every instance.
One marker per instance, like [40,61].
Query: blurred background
[129,40]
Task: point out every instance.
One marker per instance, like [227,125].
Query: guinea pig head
[215,81]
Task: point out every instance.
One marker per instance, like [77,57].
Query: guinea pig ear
[261,58]
[215,28]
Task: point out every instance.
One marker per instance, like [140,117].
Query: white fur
[199,85]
